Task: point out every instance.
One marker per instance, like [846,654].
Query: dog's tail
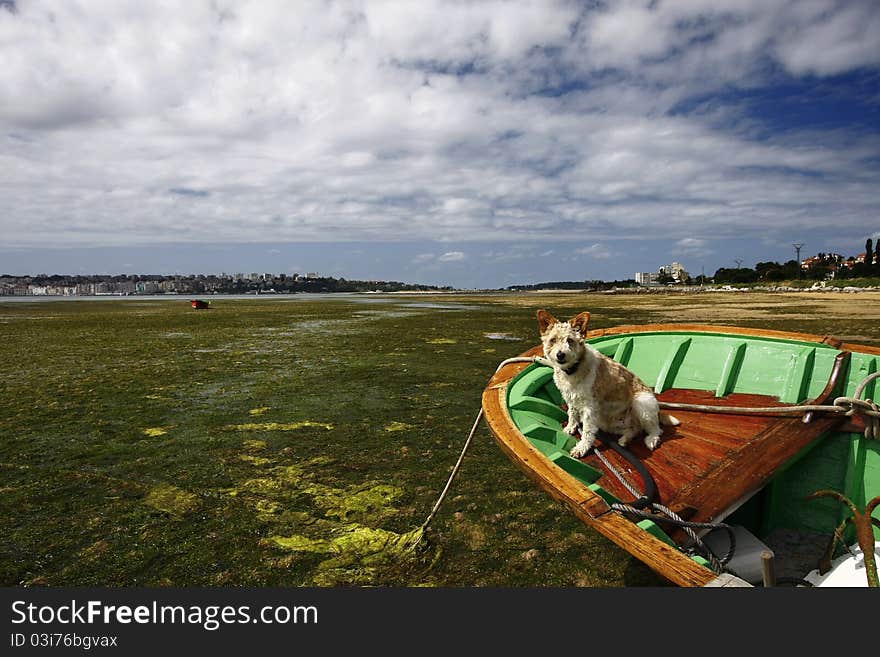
[669,420]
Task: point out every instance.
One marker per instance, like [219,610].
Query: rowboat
[772,473]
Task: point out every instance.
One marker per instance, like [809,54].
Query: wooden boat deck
[711,463]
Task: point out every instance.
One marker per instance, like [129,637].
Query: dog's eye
[570,341]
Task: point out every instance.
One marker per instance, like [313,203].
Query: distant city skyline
[389,260]
[446,143]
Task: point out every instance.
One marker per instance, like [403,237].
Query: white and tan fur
[601,394]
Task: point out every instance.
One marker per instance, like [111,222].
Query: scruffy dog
[601,394]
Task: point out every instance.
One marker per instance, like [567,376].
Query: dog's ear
[545,321]
[579,323]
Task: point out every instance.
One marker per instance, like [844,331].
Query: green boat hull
[790,368]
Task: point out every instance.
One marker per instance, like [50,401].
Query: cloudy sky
[476,144]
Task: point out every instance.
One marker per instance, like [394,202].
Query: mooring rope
[467,443]
[455,468]
[848,406]
[673,518]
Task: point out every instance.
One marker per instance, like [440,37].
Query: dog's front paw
[583,446]
[652,441]
[571,428]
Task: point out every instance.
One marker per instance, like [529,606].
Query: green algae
[397,426]
[278,426]
[255,460]
[303,544]
[172,500]
[357,553]
[370,500]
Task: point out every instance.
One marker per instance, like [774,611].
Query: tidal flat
[302,441]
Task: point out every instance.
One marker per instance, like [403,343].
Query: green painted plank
[552,393]
[542,433]
[535,382]
[866,369]
[871,473]
[654,530]
[537,405]
[674,358]
[528,418]
[824,465]
[800,373]
[604,494]
[607,349]
[730,369]
[871,389]
[547,449]
[623,351]
[577,469]
[534,379]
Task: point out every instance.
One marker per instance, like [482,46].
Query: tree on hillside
[877,256]
[818,272]
[869,252]
[792,269]
[738,275]
[763,268]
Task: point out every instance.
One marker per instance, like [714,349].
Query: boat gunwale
[666,560]
[829,340]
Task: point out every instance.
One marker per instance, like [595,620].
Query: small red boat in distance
[198,304]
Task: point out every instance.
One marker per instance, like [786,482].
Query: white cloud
[622,36]
[596,251]
[451,256]
[693,247]
[126,123]
[828,43]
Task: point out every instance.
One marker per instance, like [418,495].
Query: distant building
[852,262]
[677,271]
[646,278]
[831,261]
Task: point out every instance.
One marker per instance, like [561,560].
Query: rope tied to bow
[848,406]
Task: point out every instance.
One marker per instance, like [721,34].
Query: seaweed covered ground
[301,440]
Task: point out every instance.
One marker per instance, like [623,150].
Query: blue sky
[456,143]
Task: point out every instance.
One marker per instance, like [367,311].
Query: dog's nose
[560,357]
